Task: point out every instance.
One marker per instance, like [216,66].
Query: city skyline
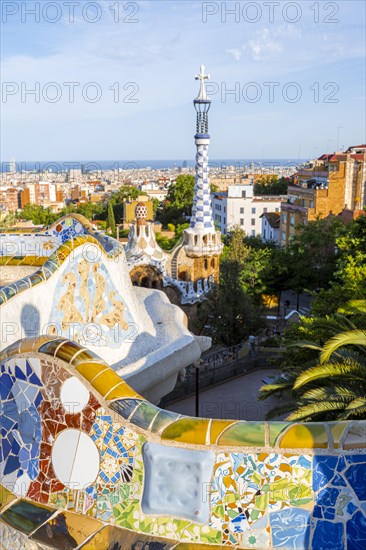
[145,79]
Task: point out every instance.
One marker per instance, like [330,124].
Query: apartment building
[240,207]
[42,193]
[9,198]
[332,185]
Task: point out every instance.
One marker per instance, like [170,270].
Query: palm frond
[331,370]
[310,411]
[350,337]
[278,412]
[353,307]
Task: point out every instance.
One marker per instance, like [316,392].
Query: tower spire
[201,237]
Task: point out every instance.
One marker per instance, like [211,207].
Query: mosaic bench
[87,463]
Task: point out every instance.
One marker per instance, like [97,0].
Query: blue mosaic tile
[356,532]
[290,528]
[327,497]
[356,476]
[323,470]
[328,536]
[338,481]
[329,513]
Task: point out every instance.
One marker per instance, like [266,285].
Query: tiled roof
[273,219]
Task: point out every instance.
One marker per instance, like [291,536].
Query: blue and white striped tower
[202,238]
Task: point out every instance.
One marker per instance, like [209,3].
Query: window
[243,194]
[253,221]
[265,210]
[241,210]
[283,235]
[253,210]
[241,221]
[277,209]
[224,220]
[292,220]
[253,232]
[270,235]
[284,217]
[311,204]
[224,209]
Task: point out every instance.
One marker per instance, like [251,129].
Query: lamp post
[196,365]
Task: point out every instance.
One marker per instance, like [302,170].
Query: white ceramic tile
[74,395]
[177,482]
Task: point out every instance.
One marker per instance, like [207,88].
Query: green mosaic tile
[21,285]
[144,414]
[247,434]
[26,516]
[275,429]
[337,429]
[163,419]
[8,292]
[125,407]
[36,278]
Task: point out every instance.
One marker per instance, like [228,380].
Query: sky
[115,79]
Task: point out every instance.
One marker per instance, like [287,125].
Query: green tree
[111,223]
[90,210]
[252,263]
[229,313]
[349,279]
[271,185]
[233,310]
[179,201]
[38,215]
[126,193]
[314,254]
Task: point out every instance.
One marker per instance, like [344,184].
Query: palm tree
[331,385]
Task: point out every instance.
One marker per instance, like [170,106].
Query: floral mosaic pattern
[89,302]
[247,488]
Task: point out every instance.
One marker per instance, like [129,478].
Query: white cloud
[236,53]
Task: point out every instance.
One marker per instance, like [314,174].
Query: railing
[219,366]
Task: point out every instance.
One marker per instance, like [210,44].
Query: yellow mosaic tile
[6,497]
[90,370]
[26,345]
[105,381]
[66,526]
[67,350]
[116,537]
[217,427]
[309,436]
[187,430]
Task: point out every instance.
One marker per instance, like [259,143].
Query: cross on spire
[202,77]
